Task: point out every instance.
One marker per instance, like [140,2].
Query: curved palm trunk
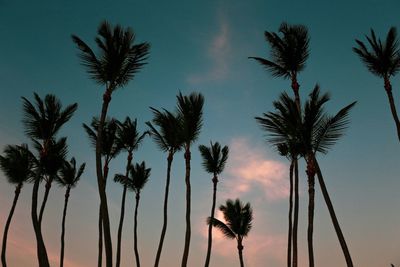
[100,223]
[290,234]
[121,219]
[135,238]
[41,249]
[164,227]
[63,226]
[295,87]
[388,89]
[101,181]
[7,226]
[44,202]
[240,251]
[215,182]
[311,193]
[188,209]
[296,211]
[335,222]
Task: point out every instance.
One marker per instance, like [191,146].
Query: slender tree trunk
[63,226]
[44,202]
[296,211]
[215,182]
[311,193]
[121,219]
[240,251]
[388,89]
[335,221]
[100,223]
[188,209]
[41,249]
[295,87]
[290,234]
[7,226]
[164,227]
[135,238]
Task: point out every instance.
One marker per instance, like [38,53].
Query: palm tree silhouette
[139,175]
[383,60]
[239,219]
[18,166]
[68,177]
[42,121]
[109,151]
[214,160]
[168,140]
[289,54]
[128,139]
[190,111]
[116,64]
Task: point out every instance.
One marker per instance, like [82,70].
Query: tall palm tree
[128,139]
[110,149]
[168,139]
[139,175]
[117,62]
[190,112]
[18,166]
[288,53]
[42,120]
[382,60]
[68,177]
[316,132]
[239,219]
[214,160]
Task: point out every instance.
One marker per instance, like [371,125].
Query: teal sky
[203,46]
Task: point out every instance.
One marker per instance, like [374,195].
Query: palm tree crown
[214,158]
[139,175]
[17,163]
[128,137]
[69,175]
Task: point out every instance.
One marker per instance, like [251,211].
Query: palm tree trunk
[121,219]
[7,226]
[41,249]
[100,243]
[335,221]
[164,227]
[295,87]
[388,89]
[188,204]
[240,251]
[46,196]
[215,182]
[296,211]
[135,238]
[290,234]
[63,226]
[311,193]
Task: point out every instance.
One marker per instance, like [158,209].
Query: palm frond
[222,227]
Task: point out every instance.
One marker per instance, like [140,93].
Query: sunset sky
[204,46]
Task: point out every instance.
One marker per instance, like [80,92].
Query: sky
[203,46]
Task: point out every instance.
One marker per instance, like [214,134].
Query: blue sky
[203,46]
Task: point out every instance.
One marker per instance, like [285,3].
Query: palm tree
[214,160]
[383,60]
[168,140]
[110,149]
[288,53]
[139,175]
[128,139]
[68,177]
[114,66]
[42,121]
[17,164]
[190,111]
[239,219]
[315,131]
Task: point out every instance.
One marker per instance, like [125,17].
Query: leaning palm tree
[68,177]
[168,139]
[128,139]
[190,112]
[139,175]
[382,60]
[42,121]
[239,219]
[109,150]
[117,62]
[18,166]
[214,160]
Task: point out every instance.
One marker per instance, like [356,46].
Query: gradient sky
[203,46]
